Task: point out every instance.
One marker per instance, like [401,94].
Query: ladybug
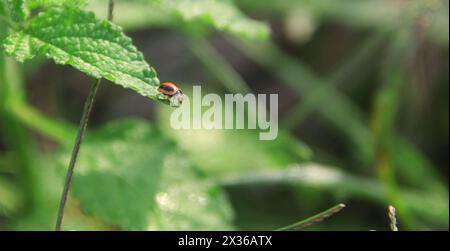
[173,91]
[168,88]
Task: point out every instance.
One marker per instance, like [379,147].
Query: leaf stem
[314,219]
[81,129]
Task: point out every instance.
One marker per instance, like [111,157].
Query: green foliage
[9,201]
[433,208]
[220,14]
[235,151]
[131,176]
[2,8]
[17,10]
[95,47]
[134,176]
[341,113]
[375,15]
[190,16]
[34,4]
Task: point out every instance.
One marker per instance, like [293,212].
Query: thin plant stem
[314,219]
[111,10]
[393,218]
[81,129]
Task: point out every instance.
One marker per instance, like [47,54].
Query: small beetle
[173,91]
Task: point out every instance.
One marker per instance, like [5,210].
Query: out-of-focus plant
[64,32]
[385,167]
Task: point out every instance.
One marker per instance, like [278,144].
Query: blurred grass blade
[313,219]
[337,108]
[217,65]
[347,68]
[321,92]
[16,138]
[385,111]
[414,167]
[358,60]
[59,131]
[18,107]
[432,207]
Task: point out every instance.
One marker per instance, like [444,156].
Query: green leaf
[47,192]
[95,47]
[220,14]
[17,10]
[185,15]
[131,176]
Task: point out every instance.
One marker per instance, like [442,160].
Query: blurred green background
[363,112]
